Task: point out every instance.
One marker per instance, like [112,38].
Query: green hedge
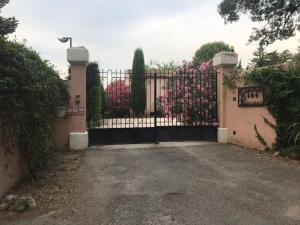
[282,98]
[30,91]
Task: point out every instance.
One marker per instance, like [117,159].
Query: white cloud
[179,36]
[111,30]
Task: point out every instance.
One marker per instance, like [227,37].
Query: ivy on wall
[233,80]
[30,91]
[282,98]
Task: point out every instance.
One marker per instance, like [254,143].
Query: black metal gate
[180,104]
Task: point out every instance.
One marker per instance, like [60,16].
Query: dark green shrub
[30,91]
[209,50]
[282,98]
[102,100]
[92,93]
[294,132]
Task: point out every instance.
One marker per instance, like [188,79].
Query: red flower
[118,98]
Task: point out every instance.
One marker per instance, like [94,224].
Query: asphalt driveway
[184,183]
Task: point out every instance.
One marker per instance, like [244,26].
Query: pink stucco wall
[241,121]
[61,134]
[63,127]
[13,166]
[12,169]
[75,119]
[77,86]
[221,95]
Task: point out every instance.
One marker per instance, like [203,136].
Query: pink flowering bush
[118,99]
[191,95]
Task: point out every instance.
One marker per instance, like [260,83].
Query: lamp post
[65,40]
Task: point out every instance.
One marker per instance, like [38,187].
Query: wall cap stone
[78,55]
[225,59]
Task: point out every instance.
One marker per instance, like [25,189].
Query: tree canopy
[262,58]
[209,50]
[7,25]
[155,64]
[281,17]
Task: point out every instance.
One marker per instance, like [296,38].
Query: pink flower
[190,98]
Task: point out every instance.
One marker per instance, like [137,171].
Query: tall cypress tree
[92,93]
[138,88]
[102,99]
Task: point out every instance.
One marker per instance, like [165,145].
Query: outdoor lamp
[65,40]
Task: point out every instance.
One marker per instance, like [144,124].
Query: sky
[112,29]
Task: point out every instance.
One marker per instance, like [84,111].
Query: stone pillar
[78,58]
[224,63]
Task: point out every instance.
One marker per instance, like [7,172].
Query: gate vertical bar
[216,97]
[156,141]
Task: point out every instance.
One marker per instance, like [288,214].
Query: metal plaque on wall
[251,96]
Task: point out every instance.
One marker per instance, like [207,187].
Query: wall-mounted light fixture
[65,40]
